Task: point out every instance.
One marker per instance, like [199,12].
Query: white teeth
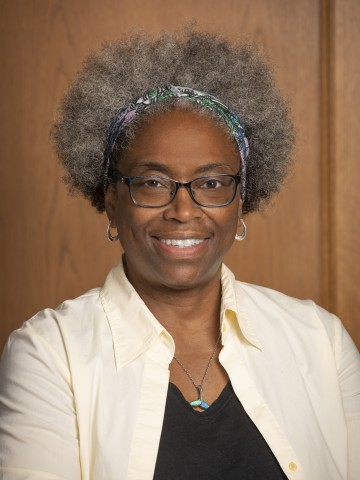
[189,242]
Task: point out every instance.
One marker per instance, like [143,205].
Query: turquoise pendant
[200,402]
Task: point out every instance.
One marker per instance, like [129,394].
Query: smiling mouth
[182,243]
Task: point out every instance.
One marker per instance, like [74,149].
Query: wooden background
[306,244]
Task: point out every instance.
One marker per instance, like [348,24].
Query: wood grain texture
[53,246]
[345,171]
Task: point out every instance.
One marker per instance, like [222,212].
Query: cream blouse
[83,387]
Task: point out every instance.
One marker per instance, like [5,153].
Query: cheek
[128,215]
[123,216]
[227,222]
[234,218]
[232,227]
[233,214]
[133,224]
[129,225]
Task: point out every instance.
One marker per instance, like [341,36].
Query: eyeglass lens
[151,191]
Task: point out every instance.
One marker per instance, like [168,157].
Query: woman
[173,368]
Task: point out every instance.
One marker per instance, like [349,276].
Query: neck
[191,316]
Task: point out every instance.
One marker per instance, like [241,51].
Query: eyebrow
[160,167]
[212,166]
[163,168]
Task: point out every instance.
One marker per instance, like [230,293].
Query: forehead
[183,142]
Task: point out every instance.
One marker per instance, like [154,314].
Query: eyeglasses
[152,191]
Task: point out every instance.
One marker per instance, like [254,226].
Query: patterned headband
[129,113]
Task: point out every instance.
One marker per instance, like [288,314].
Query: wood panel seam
[326,160]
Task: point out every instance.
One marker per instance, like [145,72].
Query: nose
[182,208]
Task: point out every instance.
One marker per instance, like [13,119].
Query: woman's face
[180,145]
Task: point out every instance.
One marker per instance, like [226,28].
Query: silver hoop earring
[241,237]
[109,236]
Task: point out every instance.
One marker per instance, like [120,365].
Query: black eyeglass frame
[118,176]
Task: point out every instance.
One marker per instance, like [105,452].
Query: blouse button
[292,466]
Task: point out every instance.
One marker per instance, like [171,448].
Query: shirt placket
[259,412]
[146,438]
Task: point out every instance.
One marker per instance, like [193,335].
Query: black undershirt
[219,443]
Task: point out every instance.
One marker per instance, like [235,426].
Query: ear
[110,205]
[240,208]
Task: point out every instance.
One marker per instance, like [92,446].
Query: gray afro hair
[123,70]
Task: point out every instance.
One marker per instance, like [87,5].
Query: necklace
[199,402]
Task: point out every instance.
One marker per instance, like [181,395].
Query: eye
[151,182]
[211,183]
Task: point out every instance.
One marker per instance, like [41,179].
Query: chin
[188,277]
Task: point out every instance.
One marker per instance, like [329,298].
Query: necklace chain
[199,402]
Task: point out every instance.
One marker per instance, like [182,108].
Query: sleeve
[348,363]
[38,428]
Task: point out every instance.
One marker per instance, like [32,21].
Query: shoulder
[301,327]
[277,310]
[278,302]
[273,297]
[73,314]
[60,329]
